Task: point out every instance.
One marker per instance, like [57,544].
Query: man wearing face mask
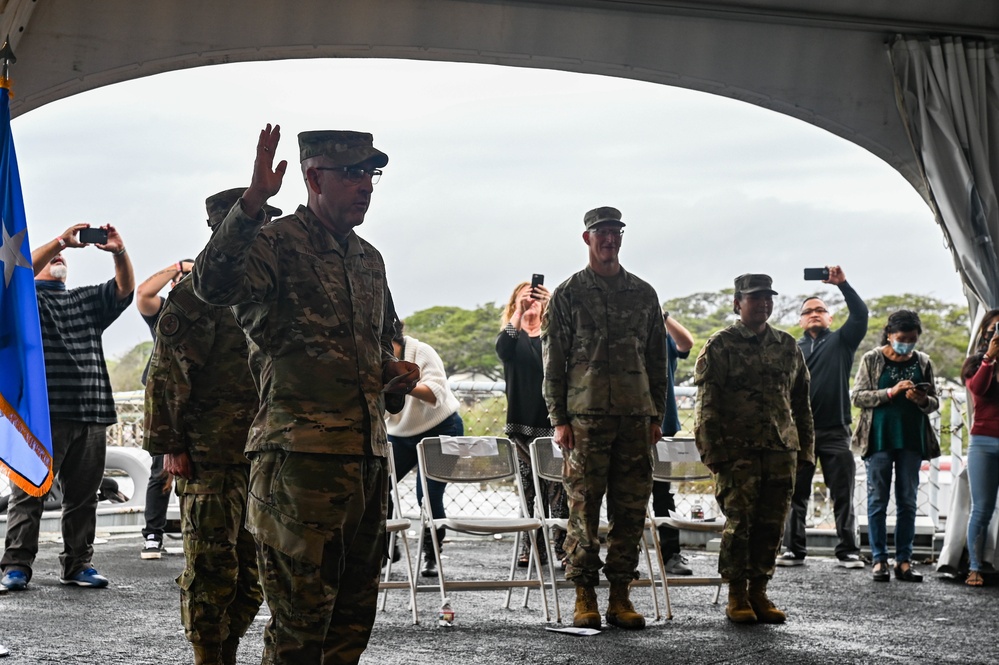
[829,356]
[753,428]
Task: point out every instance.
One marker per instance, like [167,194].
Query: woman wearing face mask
[894,389]
[979,374]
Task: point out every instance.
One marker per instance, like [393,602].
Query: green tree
[944,338]
[465,339]
[945,329]
[126,372]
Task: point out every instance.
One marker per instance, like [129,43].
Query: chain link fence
[483,409]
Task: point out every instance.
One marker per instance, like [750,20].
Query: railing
[484,412]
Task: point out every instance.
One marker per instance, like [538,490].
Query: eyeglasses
[607,233]
[815,310]
[354,173]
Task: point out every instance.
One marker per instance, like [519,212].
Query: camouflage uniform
[318,316]
[200,400]
[605,375]
[753,423]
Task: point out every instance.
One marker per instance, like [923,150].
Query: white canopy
[826,63]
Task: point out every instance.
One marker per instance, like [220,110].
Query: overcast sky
[491,169]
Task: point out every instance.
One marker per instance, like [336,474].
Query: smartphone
[93,236]
[400,378]
[924,387]
[815,274]
[536,281]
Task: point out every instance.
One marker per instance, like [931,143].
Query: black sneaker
[850,561]
[152,548]
[790,559]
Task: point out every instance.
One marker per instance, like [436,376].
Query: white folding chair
[396,526]
[468,459]
[546,464]
[676,460]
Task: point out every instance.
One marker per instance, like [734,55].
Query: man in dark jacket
[829,356]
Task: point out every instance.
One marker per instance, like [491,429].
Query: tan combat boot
[586,614]
[765,610]
[620,611]
[206,654]
[738,608]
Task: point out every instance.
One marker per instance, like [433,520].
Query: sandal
[524,560]
[975,579]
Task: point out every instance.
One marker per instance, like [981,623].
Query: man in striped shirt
[80,405]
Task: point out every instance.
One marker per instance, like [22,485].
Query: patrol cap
[345,148]
[219,205]
[602,214]
[751,283]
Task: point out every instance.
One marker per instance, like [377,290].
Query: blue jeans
[983,477]
[404,456]
[906,464]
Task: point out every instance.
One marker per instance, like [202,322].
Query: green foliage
[465,339]
[945,329]
[126,372]
[944,338]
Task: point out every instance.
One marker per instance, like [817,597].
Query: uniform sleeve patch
[169,324]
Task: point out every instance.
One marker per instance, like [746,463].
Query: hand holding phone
[400,378]
[923,387]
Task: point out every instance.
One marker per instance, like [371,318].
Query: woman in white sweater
[431,409]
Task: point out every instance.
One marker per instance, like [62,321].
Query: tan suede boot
[586,614]
[620,611]
[206,654]
[738,608]
[765,610]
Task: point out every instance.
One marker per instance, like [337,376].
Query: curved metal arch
[828,68]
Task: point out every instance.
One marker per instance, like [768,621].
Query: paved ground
[836,616]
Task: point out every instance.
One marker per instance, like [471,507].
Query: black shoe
[879,573]
[907,574]
[429,567]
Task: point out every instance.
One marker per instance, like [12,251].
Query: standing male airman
[313,300]
[605,385]
[200,402]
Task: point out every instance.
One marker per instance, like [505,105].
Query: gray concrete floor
[835,616]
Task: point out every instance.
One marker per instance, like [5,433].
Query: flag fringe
[36,446]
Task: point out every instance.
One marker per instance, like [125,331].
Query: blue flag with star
[25,434]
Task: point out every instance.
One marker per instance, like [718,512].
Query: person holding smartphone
[829,356]
[979,374]
[518,346]
[81,407]
[894,389]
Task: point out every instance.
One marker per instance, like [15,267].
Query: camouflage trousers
[612,456]
[754,493]
[319,522]
[219,588]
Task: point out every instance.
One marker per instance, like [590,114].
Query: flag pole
[7,58]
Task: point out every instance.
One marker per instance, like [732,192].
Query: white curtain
[947,90]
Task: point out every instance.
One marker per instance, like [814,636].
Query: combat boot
[586,614]
[206,654]
[620,611]
[764,609]
[738,609]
